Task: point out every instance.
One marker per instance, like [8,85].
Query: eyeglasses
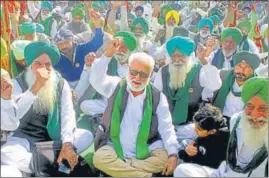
[134,72]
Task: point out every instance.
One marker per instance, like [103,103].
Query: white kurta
[131,121]
[233,104]
[226,63]
[13,110]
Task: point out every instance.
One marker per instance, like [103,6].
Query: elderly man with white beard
[185,83]
[51,117]
[223,57]
[247,152]
[118,64]
[136,137]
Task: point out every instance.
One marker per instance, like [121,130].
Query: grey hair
[142,56]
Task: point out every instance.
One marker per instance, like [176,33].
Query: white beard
[178,74]
[122,58]
[169,32]
[204,34]
[140,88]
[253,137]
[140,42]
[228,53]
[46,95]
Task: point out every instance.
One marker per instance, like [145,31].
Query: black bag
[45,155]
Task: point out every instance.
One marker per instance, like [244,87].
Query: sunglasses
[134,72]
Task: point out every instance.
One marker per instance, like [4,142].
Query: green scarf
[142,150]
[226,87]
[181,97]
[47,24]
[15,70]
[232,152]
[53,125]
[113,67]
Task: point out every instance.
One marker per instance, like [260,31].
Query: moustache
[177,64]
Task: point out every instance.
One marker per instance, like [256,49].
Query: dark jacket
[211,149]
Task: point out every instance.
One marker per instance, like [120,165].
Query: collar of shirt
[236,87]
[131,96]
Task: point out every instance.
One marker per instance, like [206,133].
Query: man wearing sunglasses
[185,83]
[228,98]
[135,137]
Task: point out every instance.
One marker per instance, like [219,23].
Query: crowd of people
[135,88]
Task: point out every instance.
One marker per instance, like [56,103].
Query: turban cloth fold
[143,22]
[255,86]
[233,32]
[27,28]
[184,45]
[39,28]
[18,47]
[3,47]
[244,24]
[78,12]
[128,38]
[46,4]
[205,21]
[174,14]
[37,48]
[251,58]
[215,18]
[139,8]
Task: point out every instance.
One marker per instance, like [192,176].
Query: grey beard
[121,58]
[228,53]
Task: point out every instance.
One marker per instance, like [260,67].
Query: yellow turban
[174,14]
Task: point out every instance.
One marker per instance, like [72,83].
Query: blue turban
[206,21]
[184,45]
[39,28]
[139,8]
[46,4]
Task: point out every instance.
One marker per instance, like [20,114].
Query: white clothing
[192,170]
[68,119]
[94,106]
[226,63]
[16,151]
[185,132]
[13,110]
[132,117]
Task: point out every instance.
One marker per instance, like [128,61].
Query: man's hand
[170,166]
[201,53]
[68,153]
[42,76]
[191,150]
[211,44]
[113,46]
[6,88]
[95,17]
[117,4]
[156,9]
[89,58]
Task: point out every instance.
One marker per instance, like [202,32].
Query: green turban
[215,19]
[3,47]
[244,24]
[78,12]
[131,16]
[18,47]
[233,32]
[27,28]
[128,38]
[143,22]
[36,49]
[80,5]
[180,31]
[166,8]
[184,45]
[47,5]
[96,6]
[216,11]
[251,58]
[255,86]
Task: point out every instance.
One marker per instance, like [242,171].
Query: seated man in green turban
[51,116]
[118,64]
[247,151]
[222,57]
[228,98]
[185,83]
[246,44]
[31,31]
[78,26]
[46,19]
[17,61]
[140,28]
[133,139]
